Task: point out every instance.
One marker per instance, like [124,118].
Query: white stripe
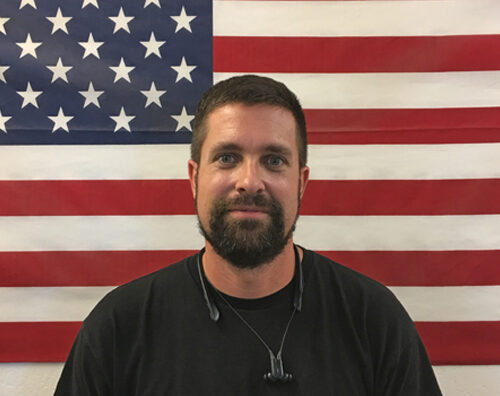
[34,379]
[400,233]
[393,162]
[38,304]
[476,303]
[49,233]
[453,303]
[355,18]
[94,162]
[390,90]
[327,162]
[468,380]
[20,379]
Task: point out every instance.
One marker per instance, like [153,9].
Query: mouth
[248,212]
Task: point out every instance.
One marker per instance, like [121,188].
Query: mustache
[256,200]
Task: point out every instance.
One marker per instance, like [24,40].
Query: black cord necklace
[277,372]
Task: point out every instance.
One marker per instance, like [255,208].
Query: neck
[250,283]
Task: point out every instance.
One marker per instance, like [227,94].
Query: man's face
[248,184]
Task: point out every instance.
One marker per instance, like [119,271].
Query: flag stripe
[447,343]
[447,304]
[422,233]
[399,120]
[112,268]
[401,197]
[355,54]
[327,19]
[322,197]
[426,268]
[94,162]
[82,268]
[36,341]
[69,303]
[327,162]
[461,342]
[468,380]
[95,197]
[410,90]
[423,136]
[400,233]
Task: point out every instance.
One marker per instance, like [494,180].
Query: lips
[252,209]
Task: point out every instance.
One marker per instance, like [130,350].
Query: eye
[274,161]
[226,159]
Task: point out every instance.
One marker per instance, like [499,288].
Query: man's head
[247,175]
[249,90]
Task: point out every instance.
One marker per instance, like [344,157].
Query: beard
[247,243]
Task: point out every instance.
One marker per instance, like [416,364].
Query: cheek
[209,188]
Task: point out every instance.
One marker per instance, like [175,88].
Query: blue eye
[227,158]
[274,161]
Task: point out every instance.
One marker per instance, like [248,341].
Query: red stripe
[82,268]
[424,268]
[323,197]
[110,268]
[457,343]
[95,197]
[36,341]
[402,197]
[398,120]
[355,54]
[448,343]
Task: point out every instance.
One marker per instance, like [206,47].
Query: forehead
[251,126]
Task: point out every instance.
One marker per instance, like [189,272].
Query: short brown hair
[249,90]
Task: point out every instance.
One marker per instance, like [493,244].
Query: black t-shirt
[154,336]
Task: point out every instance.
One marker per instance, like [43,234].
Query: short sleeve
[83,374]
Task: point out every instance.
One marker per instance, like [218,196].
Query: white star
[183,20]
[153,95]
[59,22]
[60,121]
[91,96]
[122,120]
[122,71]
[92,2]
[183,71]
[29,47]
[29,96]
[3,120]
[3,21]
[121,21]
[59,71]
[152,46]
[25,2]
[3,69]
[91,46]
[183,119]
[155,2]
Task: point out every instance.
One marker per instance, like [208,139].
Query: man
[251,313]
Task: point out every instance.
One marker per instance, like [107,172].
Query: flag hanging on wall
[402,100]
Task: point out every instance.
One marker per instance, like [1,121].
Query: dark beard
[247,243]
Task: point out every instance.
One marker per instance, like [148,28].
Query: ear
[193,172]
[304,178]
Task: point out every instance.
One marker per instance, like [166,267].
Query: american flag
[402,100]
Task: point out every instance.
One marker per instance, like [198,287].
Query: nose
[249,178]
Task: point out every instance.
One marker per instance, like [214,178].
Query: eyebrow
[273,148]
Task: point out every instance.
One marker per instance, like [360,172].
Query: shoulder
[131,299]
[365,300]
[348,281]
